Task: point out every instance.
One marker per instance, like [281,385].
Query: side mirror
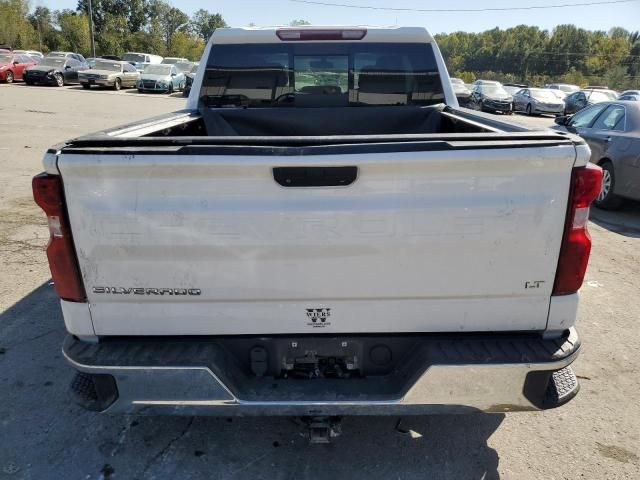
[68,67]
[16,62]
[173,74]
[563,120]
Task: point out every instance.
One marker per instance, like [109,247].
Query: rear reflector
[297,35]
[48,194]
[576,242]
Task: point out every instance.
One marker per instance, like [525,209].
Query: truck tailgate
[421,241]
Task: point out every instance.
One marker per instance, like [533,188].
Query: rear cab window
[321,74]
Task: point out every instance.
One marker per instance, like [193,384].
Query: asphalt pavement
[43,435]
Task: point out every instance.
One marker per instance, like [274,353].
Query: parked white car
[174,60]
[32,53]
[137,59]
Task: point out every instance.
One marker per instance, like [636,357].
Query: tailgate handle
[315,176]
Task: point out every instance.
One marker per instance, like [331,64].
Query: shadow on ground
[625,221]
[175,94]
[44,435]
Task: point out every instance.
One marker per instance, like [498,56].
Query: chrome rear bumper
[447,374]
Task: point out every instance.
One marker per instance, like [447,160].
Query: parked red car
[12,66]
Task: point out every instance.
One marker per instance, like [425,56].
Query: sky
[278,12]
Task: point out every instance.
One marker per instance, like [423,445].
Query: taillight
[48,194]
[297,35]
[576,242]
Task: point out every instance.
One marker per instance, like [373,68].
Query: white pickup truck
[321,232]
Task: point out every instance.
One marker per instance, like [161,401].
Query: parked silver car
[463,94]
[565,87]
[184,67]
[512,88]
[535,101]
[161,78]
[612,130]
[630,95]
[109,73]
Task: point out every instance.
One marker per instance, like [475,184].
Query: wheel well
[603,161]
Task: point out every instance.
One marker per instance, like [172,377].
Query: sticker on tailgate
[318,317]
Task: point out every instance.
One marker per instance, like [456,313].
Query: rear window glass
[111,66]
[610,118]
[133,57]
[321,75]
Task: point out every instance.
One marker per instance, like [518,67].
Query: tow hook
[322,429]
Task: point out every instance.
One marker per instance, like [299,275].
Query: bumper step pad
[563,386]
[94,392]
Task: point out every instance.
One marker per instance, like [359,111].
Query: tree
[145,42]
[186,46]
[174,21]
[606,52]
[619,32]
[467,77]
[42,22]
[634,61]
[569,47]
[99,8]
[113,38]
[137,18]
[298,23]
[519,50]
[75,31]
[15,29]
[204,23]
[166,20]
[574,77]
[131,10]
[616,76]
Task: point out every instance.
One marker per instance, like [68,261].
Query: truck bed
[273,126]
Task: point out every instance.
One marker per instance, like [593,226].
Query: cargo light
[576,242]
[49,195]
[297,35]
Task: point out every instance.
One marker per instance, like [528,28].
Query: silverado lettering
[147,291]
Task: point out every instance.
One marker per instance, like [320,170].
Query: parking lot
[45,436]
